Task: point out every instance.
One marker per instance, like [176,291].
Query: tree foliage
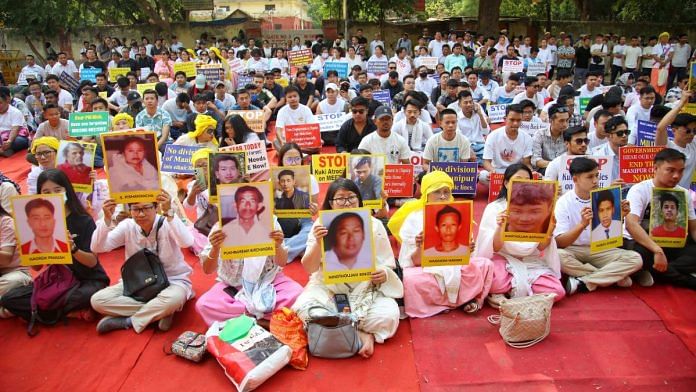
[362,10]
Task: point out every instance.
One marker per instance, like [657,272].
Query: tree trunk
[488,16]
[37,54]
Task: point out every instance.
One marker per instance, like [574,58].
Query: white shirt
[618,49]
[435,48]
[545,55]
[59,68]
[662,52]
[537,100]
[690,152]
[639,197]
[681,55]
[437,149]
[259,66]
[595,141]
[281,64]
[648,62]
[174,112]
[416,135]
[503,152]
[65,98]
[227,102]
[501,96]
[635,113]
[599,48]
[586,93]
[394,146]
[567,213]
[425,86]
[11,118]
[119,99]
[632,56]
[289,116]
[338,107]
[471,127]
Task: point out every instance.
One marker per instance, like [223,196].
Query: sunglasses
[622,133]
[582,141]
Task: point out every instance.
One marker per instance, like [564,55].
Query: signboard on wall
[193,5]
[280,38]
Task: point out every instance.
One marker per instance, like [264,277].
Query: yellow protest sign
[247,230]
[328,167]
[115,73]
[347,258]
[189,68]
[145,86]
[33,214]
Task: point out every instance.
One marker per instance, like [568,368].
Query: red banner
[305,135]
[636,163]
[398,180]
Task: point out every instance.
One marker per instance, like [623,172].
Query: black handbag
[143,273]
[206,222]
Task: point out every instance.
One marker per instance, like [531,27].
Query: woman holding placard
[520,268]
[85,267]
[372,302]
[431,290]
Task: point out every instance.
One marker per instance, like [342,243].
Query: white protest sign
[606,165]
[496,113]
[532,127]
[429,62]
[417,161]
[534,69]
[331,121]
[256,155]
[513,66]
[235,65]
[144,71]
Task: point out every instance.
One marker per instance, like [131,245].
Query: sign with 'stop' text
[496,113]
[329,167]
[636,163]
[331,121]
[252,118]
[513,66]
[398,180]
[305,135]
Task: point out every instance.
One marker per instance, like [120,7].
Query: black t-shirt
[362,40]
[82,227]
[349,139]
[129,63]
[305,93]
[393,90]
[147,62]
[582,57]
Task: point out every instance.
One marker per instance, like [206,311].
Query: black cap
[382,111]
[133,96]
[569,90]
[683,119]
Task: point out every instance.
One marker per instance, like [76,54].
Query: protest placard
[513,66]
[429,62]
[690,106]
[117,72]
[332,121]
[256,155]
[68,82]
[76,160]
[328,167]
[243,80]
[606,168]
[144,71]
[582,104]
[529,198]
[90,74]
[534,69]
[41,230]
[383,97]
[252,118]
[189,68]
[225,167]
[367,172]
[377,67]
[177,159]
[646,131]
[103,94]
[305,135]
[338,66]
[88,123]
[298,58]
[447,233]
[398,180]
[435,77]
[496,113]
[607,226]
[212,74]
[131,161]
[417,162]
[246,218]
[291,191]
[669,218]
[531,128]
[145,86]
[236,65]
[636,163]
[464,175]
[351,257]
[494,186]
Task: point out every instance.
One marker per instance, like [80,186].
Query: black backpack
[143,274]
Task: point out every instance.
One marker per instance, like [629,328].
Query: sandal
[471,307]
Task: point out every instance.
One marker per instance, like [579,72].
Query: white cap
[331,86]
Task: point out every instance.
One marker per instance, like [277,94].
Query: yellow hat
[124,116]
[202,123]
[203,153]
[192,53]
[49,141]
[664,34]
[216,51]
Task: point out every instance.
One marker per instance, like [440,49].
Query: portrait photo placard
[76,160]
[669,218]
[131,162]
[447,233]
[607,223]
[530,210]
[291,191]
[225,168]
[246,218]
[348,250]
[367,172]
[42,234]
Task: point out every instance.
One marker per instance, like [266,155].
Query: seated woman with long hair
[520,268]
[372,302]
[431,290]
[85,266]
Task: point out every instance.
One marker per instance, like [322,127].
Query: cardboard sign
[606,168]
[417,162]
[76,159]
[534,69]
[513,66]
[291,191]
[177,159]
[690,106]
[33,213]
[256,155]
[517,226]
[243,80]
[129,184]
[383,97]
[68,82]
[636,163]
[464,175]
[211,74]
[646,132]
[496,113]
[104,94]
[531,128]
[242,241]
[435,77]
[329,167]
[398,180]
[429,62]
[305,135]
[336,267]
[117,72]
[144,71]
[606,226]
[447,233]
[298,58]
[253,118]
[145,86]
[189,68]
[332,121]
[90,74]
[583,102]
[377,67]
[669,218]
[88,123]
[367,172]
[236,65]
[338,66]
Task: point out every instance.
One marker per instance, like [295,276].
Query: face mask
[325,55]
[423,74]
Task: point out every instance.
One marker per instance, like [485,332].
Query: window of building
[270,7]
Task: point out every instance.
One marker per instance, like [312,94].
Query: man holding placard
[588,270]
[448,145]
[676,266]
[684,128]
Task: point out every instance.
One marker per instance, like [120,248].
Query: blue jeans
[296,244]
[478,150]
[98,157]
